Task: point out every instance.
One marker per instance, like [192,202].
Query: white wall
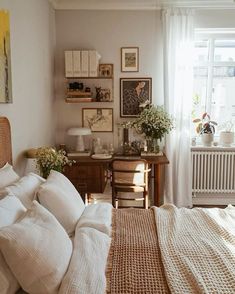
[107,32]
[215,18]
[32,56]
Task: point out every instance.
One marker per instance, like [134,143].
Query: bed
[160,250]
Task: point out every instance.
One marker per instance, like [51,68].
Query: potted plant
[50,159]
[227,136]
[206,128]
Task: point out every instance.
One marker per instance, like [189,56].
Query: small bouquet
[50,159]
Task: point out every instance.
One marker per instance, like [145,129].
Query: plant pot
[226,138]
[207,139]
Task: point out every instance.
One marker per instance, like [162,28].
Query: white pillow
[37,250]
[7,176]
[10,210]
[25,189]
[61,198]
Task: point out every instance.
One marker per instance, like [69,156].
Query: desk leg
[157,184]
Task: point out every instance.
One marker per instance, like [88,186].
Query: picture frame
[5,57]
[130,59]
[106,70]
[134,93]
[98,119]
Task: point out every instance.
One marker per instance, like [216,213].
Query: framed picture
[98,119]
[134,93]
[106,70]
[129,59]
[5,58]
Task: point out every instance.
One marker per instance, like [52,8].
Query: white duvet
[86,272]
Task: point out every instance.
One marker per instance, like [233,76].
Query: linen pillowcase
[25,189]
[7,176]
[10,210]
[37,250]
[61,198]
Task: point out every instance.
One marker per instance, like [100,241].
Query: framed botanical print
[98,119]
[129,59]
[134,94]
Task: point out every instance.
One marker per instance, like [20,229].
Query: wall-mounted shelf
[84,100]
[85,89]
[80,78]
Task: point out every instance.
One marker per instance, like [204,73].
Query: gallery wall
[32,61]
[106,32]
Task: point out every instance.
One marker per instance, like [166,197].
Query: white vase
[207,139]
[226,138]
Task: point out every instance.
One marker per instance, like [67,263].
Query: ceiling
[139,4]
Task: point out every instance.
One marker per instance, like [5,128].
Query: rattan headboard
[5,141]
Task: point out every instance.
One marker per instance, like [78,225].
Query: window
[214,76]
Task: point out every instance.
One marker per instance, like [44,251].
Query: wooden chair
[129,176]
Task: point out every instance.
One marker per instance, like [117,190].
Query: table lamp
[79,132]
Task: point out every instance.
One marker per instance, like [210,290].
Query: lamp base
[80,144]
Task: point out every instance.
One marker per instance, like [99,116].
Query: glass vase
[152,145]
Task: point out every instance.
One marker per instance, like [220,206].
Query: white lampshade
[79,132]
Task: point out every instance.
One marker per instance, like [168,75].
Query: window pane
[200,90]
[224,50]
[224,71]
[223,96]
[201,51]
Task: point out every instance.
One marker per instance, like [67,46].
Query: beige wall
[107,32]
[32,54]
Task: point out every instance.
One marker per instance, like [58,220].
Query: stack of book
[81,96]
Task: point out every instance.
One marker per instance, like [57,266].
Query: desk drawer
[91,178]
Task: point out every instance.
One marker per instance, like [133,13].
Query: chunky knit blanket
[134,263]
[192,251]
[197,249]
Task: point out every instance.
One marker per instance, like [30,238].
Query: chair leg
[146,203]
[114,199]
[116,203]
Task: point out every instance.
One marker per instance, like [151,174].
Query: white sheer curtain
[178,33]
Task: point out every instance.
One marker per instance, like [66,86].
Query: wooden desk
[90,175]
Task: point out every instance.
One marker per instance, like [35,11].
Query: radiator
[213,171]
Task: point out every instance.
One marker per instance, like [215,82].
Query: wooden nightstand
[88,175]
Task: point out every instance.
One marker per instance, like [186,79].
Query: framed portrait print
[129,59]
[134,92]
[98,119]
[106,70]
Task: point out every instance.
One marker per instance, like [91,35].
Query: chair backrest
[128,172]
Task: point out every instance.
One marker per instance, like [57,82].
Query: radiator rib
[213,171]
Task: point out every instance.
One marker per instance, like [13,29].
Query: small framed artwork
[98,119]
[134,93]
[130,59]
[106,70]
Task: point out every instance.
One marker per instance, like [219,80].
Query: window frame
[211,35]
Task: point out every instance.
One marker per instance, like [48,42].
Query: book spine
[76,63]
[93,63]
[68,64]
[84,63]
